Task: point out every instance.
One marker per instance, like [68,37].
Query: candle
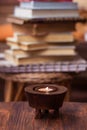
[45,89]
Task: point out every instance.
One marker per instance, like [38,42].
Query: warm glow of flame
[47,88]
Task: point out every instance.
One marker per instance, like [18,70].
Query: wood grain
[19,116]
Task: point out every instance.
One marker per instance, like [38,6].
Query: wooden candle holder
[45,97]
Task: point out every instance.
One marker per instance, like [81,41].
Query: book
[21,21]
[44,13]
[68,50]
[27,59]
[49,38]
[30,46]
[48,5]
[44,28]
[59,37]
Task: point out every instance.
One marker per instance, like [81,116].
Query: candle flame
[47,88]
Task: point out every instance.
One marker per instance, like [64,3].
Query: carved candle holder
[45,98]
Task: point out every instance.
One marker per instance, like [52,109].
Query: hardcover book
[22,21]
[48,5]
[68,50]
[49,38]
[27,59]
[45,13]
[44,28]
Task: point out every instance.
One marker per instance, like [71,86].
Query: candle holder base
[39,114]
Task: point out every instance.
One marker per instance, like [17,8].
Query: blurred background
[79,84]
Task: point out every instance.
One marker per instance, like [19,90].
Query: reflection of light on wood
[45,90]
[4,117]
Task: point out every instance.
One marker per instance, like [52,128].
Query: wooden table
[20,116]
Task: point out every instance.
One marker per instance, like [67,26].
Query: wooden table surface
[19,116]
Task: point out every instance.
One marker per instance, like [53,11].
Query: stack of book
[42,32]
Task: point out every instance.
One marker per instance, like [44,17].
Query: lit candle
[45,90]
